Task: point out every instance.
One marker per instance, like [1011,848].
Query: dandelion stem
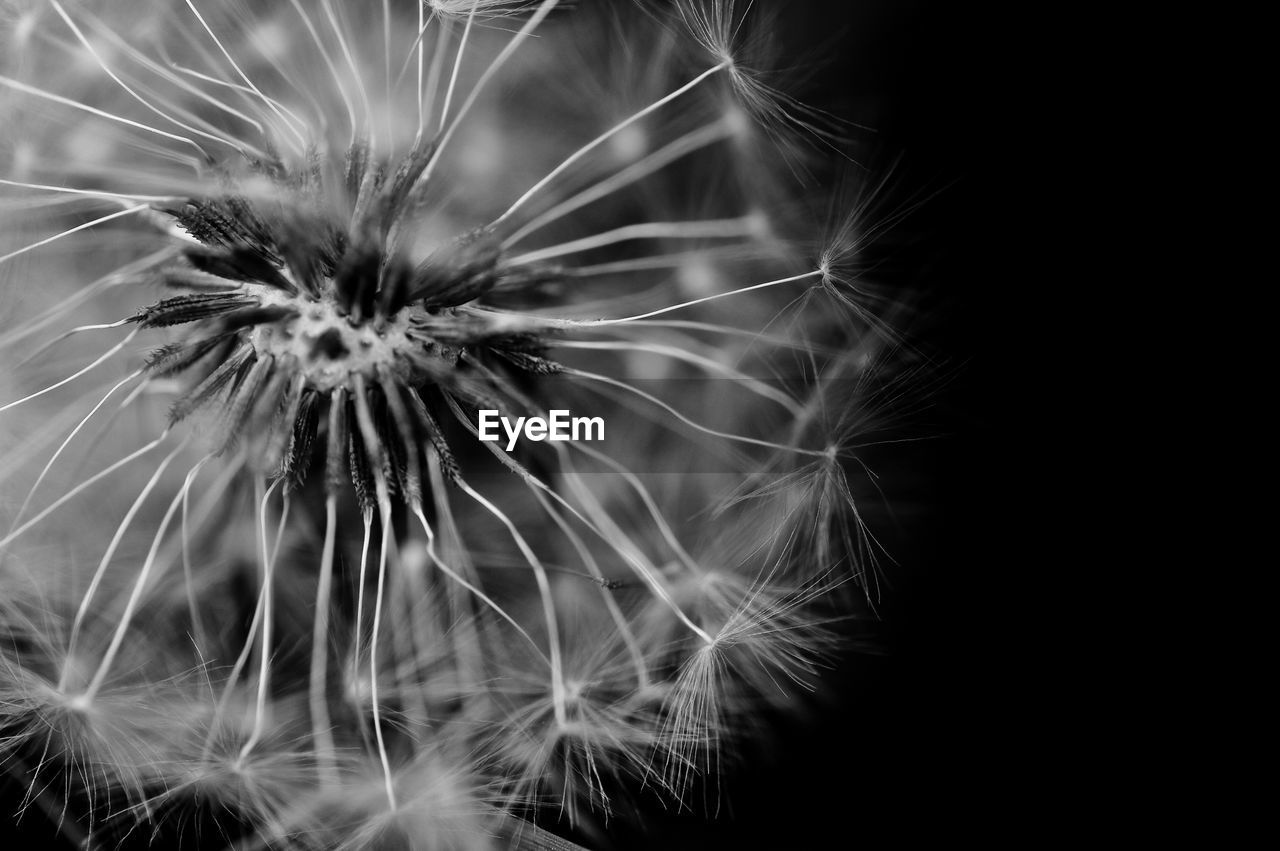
[526,320]
[141,583]
[615,611]
[705,229]
[709,364]
[71,494]
[250,637]
[457,67]
[730,331]
[212,498]
[22,509]
[373,448]
[659,159]
[320,723]
[651,261]
[271,104]
[128,211]
[101,572]
[548,603]
[234,676]
[603,137]
[227,84]
[638,486]
[704,429]
[603,527]
[468,647]
[739,291]
[386,59]
[18,453]
[367,520]
[268,612]
[104,356]
[433,74]
[536,18]
[139,98]
[480,595]
[351,64]
[40,93]
[92,193]
[610,533]
[333,70]
[72,302]
[44,347]
[417,49]
[166,73]
[384,512]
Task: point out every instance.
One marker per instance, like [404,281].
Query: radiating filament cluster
[270,273]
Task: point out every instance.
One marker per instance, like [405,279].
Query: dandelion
[264,268]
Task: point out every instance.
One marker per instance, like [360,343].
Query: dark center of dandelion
[304,325]
[328,345]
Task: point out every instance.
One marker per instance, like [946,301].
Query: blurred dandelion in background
[264,265]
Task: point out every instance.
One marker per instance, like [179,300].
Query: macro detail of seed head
[428,425]
[301,309]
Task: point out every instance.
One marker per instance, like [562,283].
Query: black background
[928,741]
[935,739]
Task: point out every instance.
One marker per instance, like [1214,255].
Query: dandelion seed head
[317,237]
[289,305]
